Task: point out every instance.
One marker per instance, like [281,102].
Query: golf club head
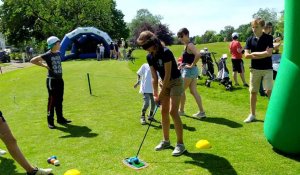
[134,160]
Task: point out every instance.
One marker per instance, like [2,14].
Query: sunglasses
[147,45]
[180,36]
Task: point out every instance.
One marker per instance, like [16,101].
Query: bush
[16,55]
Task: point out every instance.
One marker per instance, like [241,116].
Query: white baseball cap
[234,34]
[51,41]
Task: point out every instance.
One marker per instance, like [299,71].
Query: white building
[2,41]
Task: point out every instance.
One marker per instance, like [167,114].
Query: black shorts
[1,117]
[238,65]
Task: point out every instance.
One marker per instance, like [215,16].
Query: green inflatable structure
[282,122]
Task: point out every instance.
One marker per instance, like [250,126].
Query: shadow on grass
[217,120]
[76,131]
[236,88]
[155,125]
[290,156]
[7,166]
[189,128]
[213,163]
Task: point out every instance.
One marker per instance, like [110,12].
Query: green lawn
[106,127]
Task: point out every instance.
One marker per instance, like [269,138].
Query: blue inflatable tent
[83,42]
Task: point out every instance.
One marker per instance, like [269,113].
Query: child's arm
[138,81]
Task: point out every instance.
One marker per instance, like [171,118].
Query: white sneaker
[2,152]
[179,149]
[162,145]
[40,171]
[200,115]
[143,120]
[181,113]
[250,118]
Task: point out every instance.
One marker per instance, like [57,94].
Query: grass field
[106,127]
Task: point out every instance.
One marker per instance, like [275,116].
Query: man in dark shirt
[259,48]
[55,83]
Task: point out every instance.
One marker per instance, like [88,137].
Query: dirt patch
[14,66]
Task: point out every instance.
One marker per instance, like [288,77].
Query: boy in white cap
[55,83]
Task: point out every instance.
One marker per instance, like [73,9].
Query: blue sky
[199,15]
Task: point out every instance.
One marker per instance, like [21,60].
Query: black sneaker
[63,121]
[51,123]
[51,126]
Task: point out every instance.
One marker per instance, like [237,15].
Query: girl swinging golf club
[161,60]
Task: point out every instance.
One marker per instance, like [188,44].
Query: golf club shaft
[156,107]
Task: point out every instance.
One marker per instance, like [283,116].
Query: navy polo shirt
[259,45]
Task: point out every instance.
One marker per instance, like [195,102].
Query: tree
[244,31]
[208,36]
[144,20]
[163,33]
[22,20]
[266,14]
[279,29]
[226,33]
[198,39]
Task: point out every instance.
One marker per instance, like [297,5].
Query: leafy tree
[208,36]
[22,20]
[163,33]
[198,39]
[226,33]
[120,29]
[219,38]
[269,15]
[144,20]
[279,29]
[244,31]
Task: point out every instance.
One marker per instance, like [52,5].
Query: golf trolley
[207,66]
[223,73]
[128,55]
[208,69]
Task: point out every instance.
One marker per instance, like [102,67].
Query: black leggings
[56,92]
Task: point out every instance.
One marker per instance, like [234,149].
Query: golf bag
[207,66]
[223,73]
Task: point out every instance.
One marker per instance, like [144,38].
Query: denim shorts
[190,73]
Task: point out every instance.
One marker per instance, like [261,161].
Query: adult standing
[236,50]
[190,72]
[98,52]
[112,50]
[268,29]
[161,60]
[259,48]
[54,82]
[123,46]
[102,50]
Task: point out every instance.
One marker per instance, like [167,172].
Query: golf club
[134,162]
